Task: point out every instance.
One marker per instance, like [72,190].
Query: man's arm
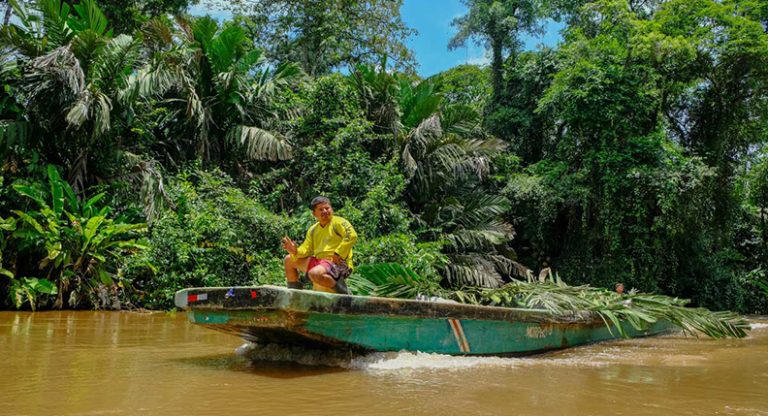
[305,249]
[348,238]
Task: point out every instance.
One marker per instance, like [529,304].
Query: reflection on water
[93,363]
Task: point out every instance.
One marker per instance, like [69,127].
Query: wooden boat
[272,314]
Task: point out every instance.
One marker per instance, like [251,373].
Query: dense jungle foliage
[144,150]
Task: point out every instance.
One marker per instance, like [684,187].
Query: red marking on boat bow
[196,297]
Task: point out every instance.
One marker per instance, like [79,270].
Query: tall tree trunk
[497,62]
[765,229]
[8,13]
[497,68]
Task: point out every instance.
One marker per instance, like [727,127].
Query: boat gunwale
[289,300]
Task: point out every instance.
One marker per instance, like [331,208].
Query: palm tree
[445,156]
[73,71]
[219,93]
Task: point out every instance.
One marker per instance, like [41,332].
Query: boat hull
[270,314]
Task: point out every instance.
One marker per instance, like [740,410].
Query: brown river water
[113,363]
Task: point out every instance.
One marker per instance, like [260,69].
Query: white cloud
[477,55]
[219,13]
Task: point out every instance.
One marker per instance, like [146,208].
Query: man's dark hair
[317,201]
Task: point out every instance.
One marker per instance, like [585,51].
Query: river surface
[118,363]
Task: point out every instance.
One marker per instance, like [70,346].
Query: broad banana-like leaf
[31,193]
[31,221]
[90,230]
[57,193]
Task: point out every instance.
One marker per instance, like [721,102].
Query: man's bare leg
[319,276]
[292,269]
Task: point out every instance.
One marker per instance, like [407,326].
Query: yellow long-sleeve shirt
[322,242]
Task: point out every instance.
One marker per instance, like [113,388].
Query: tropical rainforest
[144,150]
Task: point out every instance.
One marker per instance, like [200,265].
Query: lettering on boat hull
[537,332]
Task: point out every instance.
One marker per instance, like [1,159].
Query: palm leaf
[53,80]
[88,16]
[91,105]
[387,280]
[472,271]
[461,120]
[639,310]
[418,102]
[156,34]
[114,62]
[260,144]
[55,15]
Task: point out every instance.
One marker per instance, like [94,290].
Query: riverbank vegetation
[144,150]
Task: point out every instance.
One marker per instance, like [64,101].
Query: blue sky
[432,19]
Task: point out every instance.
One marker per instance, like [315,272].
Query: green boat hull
[271,314]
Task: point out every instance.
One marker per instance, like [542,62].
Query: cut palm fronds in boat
[639,309]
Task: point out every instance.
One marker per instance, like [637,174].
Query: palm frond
[227,48]
[86,45]
[27,34]
[147,177]
[417,143]
[418,102]
[462,120]
[91,105]
[55,16]
[195,109]
[479,210]
[481,238]
[510,268]
[156,34]
[379,92]
[156,78]
[446,156]
[267,81]
[553,295]
[88,16]
[114,63]
[260,144]
[639,310]
[489,146]
[55,74]
[475,272]
[386,280]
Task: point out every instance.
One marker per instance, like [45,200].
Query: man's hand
[337,259]
[289,245]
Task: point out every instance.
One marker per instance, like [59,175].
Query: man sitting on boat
[326,253]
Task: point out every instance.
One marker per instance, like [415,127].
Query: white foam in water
[405,360]
[755,325]
[370,362]
[419,360]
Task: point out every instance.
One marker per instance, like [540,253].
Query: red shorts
[314,261]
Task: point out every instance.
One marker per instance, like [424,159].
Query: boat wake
[404,360]
[597,355]
[378,361]
[394,361]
